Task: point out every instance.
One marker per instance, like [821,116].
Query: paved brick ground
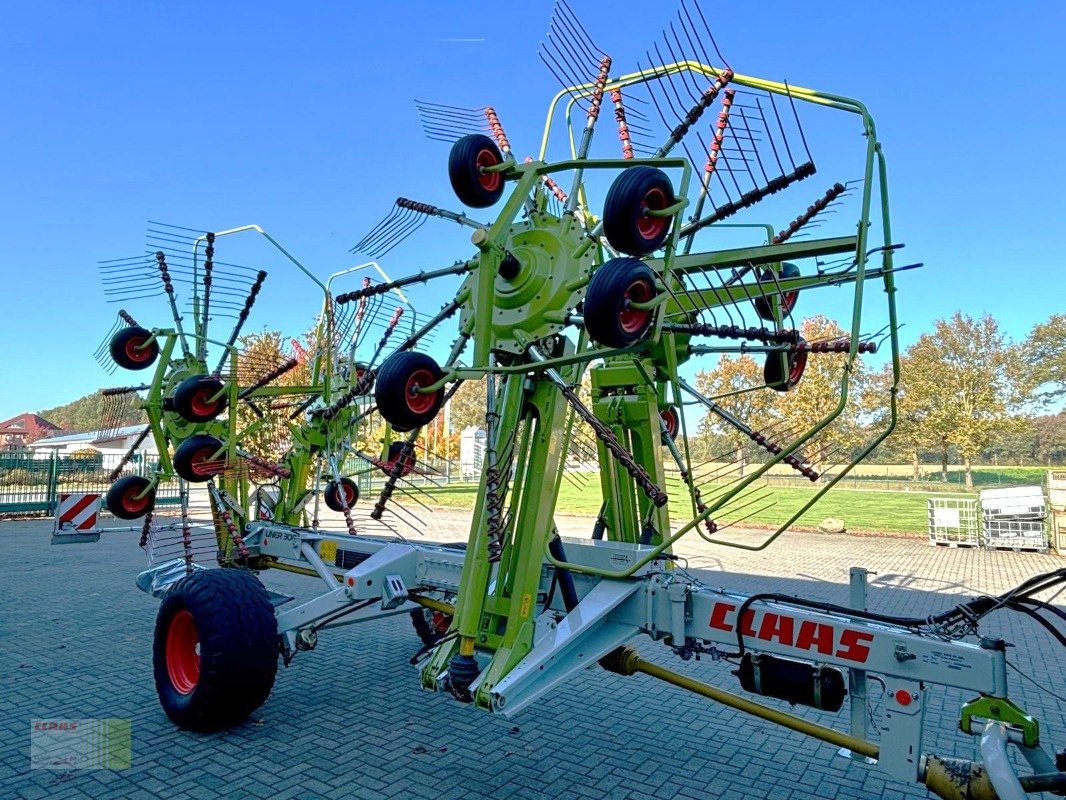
[349,721]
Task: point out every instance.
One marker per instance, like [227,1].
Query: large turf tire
[626,223]
[215,653]
[764,308]
[192,458]
[127,499]
[193,398]
[337,494]
[131,349]
[398,376]
[607,319]
[468,156]
[783,374]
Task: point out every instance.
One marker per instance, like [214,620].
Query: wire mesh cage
[1015,518]
[954,522]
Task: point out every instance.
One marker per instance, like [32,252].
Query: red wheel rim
[490,181]
[651,228]
[441,621]
[183,659]
[136,351]
[420,403]
[201,403]
[349,494]
[797,363]
[633,320]
[133,504]
[669,416]
[401,465]
[788,301]
[202,465]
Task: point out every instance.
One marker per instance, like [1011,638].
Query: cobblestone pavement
[349,721]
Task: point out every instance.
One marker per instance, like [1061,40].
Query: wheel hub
[529,297]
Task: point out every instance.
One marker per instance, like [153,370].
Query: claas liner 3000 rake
[582,317]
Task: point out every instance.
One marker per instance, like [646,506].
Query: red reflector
[903,697]
[351,581]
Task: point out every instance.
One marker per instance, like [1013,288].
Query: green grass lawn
[868,510]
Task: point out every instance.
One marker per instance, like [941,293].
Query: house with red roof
[19,431]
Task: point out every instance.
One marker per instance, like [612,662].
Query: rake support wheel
[337,494]
[193,459]
[626,223]
[780,377]
[396,393]
[468,157]
[401,459]
[764,308]
[609,319]
[196,399]
[215,652]
[134,348]
[130,497]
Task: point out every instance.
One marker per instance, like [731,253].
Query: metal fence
[31,484]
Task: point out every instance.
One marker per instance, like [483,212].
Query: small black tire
[401,459]
[195,398]
[764,307]
[774,370]
[364,379]
[430,625]
[468,156]
[193,458]
[337,494]
[397,379]
[215,650]
[130,497]
[134,348]
[626,223]
[608,319]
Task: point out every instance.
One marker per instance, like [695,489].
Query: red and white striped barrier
[76,518]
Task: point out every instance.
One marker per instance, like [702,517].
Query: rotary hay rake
[625,294]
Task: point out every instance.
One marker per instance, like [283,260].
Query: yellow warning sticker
[527,600]
[327,550]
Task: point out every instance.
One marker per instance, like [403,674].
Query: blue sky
[300,118]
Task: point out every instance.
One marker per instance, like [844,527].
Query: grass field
[888,512]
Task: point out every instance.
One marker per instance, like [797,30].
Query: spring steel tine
[749,199]
[603,433]
[447,310]
[168,287]
[623,124]
[434,211]
[745,128]
[575,41]
[209,265]
[113,476]
[712,161]
[421,277]
[816,207]
[547,52]
[758,437]
[590,124]
[393,229]
[695,112]
[242,317]
[707,34]
[270,377]
[497,131]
